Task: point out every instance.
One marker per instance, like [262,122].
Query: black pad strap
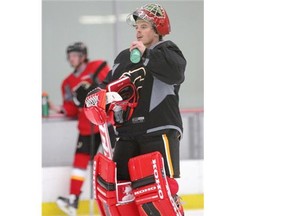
[143,182]
[107,185]
[150,209]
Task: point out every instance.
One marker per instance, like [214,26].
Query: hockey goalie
[146,189]
[141,100]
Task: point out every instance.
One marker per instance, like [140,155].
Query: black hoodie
[158,105]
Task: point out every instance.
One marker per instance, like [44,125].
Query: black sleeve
[166,62]
[106,80]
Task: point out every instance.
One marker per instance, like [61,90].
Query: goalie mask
[114,104]
[153,13]
[128,86]
[117,102]
[121,111]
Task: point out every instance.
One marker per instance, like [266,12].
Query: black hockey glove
[79,93]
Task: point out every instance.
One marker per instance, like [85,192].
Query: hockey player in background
[74,90]
[150,121]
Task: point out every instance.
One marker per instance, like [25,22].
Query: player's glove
[96,105]
[80,92]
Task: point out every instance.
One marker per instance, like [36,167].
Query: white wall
[59,137]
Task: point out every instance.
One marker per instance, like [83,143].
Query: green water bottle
[45,105]
[135,56]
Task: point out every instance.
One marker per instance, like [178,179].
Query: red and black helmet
[153,13]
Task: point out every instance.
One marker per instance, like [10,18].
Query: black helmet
[77,47]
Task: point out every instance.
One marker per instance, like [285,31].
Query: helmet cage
[129,102]
[128,92]
[154,14]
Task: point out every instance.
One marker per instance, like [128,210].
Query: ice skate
[68,205]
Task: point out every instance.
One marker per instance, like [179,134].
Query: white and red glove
[95,105]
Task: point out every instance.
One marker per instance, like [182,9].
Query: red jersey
[68,86]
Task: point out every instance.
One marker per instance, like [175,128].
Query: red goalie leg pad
[150,186]
[106,189]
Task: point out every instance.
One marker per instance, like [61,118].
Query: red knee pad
[150,186]
[113,198]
